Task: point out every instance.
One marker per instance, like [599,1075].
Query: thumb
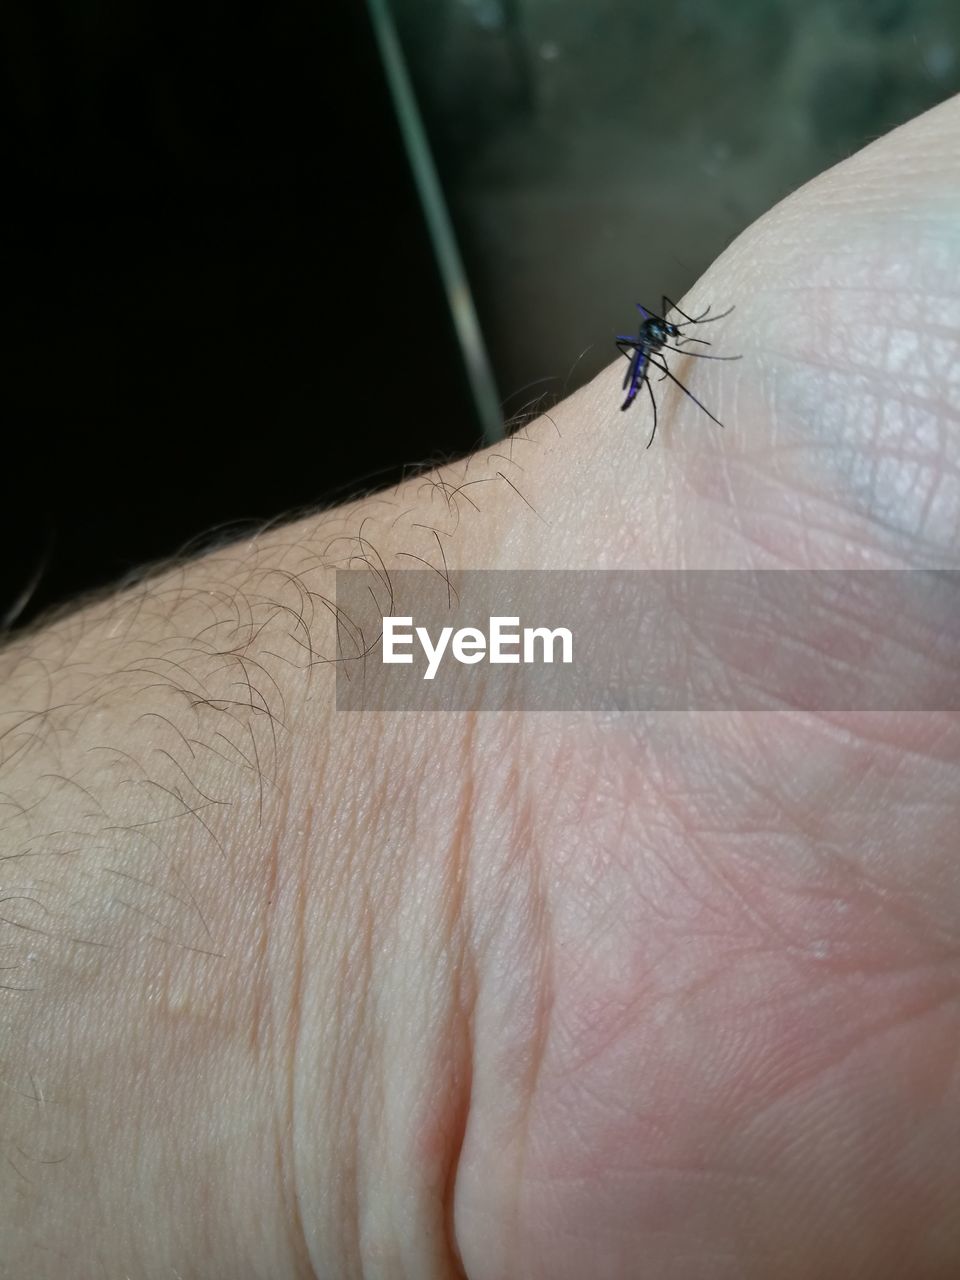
[738,1052]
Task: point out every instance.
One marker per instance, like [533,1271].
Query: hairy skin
[292,992]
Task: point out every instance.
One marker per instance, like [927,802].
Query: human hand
[517,997]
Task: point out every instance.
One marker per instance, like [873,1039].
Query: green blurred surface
[596,154]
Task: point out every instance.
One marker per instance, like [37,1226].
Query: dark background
[219,299]
[220,302]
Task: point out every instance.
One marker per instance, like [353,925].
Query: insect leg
[699,355]
[697,402]
[653,401]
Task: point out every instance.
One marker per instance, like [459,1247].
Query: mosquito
[647,347]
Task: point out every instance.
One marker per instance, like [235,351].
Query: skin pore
[293,992]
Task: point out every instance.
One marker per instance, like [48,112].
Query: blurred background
[255,265]
[597,154]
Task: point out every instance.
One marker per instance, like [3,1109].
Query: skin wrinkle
[871,392]
[363,1047]
[542,933]
[859,545]
[805,393]
[259,975]
[286,1159]
[798,1071]
[456,944]
[859,884]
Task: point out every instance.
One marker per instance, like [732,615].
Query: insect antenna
[704,318]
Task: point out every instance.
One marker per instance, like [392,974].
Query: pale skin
[292,993]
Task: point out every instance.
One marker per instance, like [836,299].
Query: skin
[306,993]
